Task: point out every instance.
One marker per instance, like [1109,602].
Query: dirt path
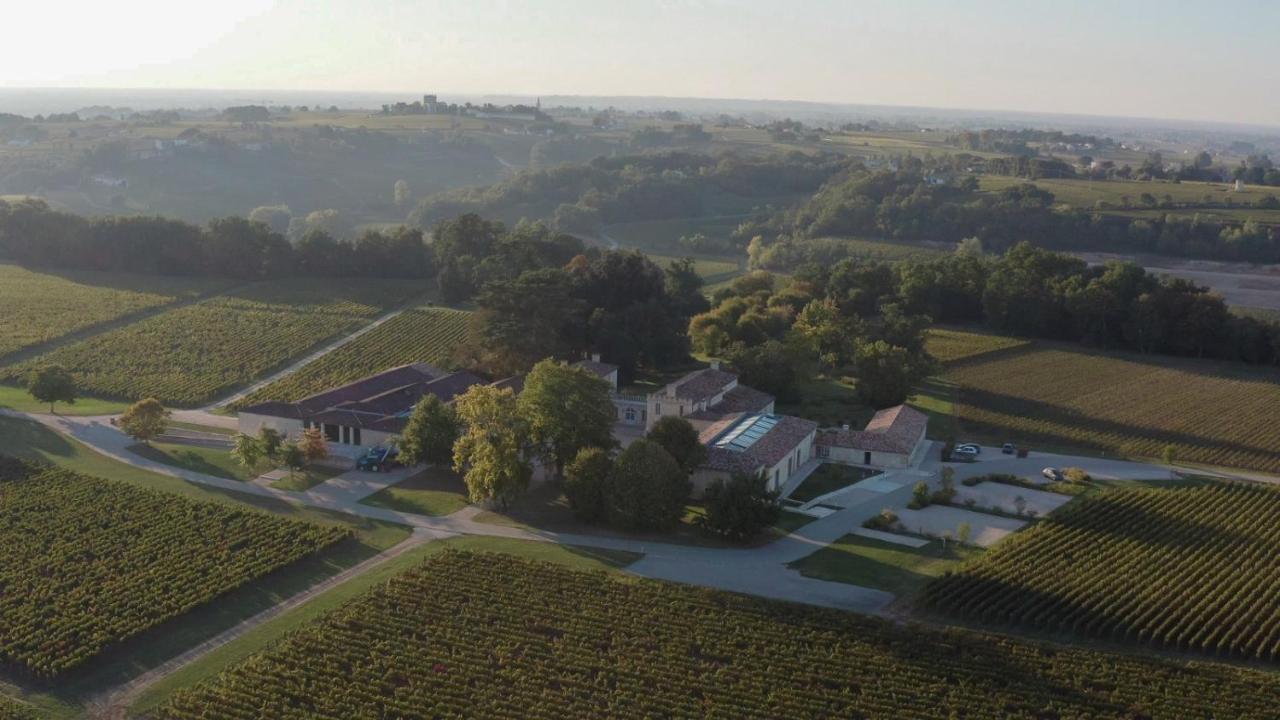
[114,703]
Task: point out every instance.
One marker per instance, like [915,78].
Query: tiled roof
[370,386]
[772,448]
[704,384]
[741,399]
[893,430]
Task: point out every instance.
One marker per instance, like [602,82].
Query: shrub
[585,479]
[741,507]
[647,489]
[919,496]
[886,520]
[1076,475]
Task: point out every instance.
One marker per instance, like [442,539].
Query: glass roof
[747,432]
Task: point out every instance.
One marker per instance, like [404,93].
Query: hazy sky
[1166,58]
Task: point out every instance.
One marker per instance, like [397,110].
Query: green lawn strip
[16,398]
[196,427]
[898,569]
[828,478]
[260,637]
[209,461]
[306,478]
[435,491]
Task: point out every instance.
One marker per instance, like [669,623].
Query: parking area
[1005,497]
[941,520]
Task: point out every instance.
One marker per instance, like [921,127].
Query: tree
[647,489]
[827,333]
[276,217]
[269,440]
[489,452]
[292,456]
[246,450]
[680,439]
[144,420]
[565,410]
[885,374]
[585,483]
[52,384]
[741,507]
[963,531]
[313,445]
[527,319]
[771,366]
[402,195]
[919,496]
[429,435]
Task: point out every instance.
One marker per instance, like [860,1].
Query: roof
[380,402]
[741,399]
[597,368]
[892,430]
[704,384]
[775,437]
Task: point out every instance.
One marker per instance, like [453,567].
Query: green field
[1085,194]
[898,569]
[90,563]
[435,491]
[1184,569]
[210,461]
[949,346]
[486,635]
[1071,398]
[828,478]
[195,353]
[709,269]
[39,307]
[423,334]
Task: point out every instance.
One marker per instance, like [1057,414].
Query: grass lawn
[16,398]
[898,569]
[210,461]
[435,491]
[306,478]
[544,507]
[830,477]
[31,441]
[196,427]
[213,663]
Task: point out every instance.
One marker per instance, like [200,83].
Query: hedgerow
[1185,569]
[88,563]
[489,636]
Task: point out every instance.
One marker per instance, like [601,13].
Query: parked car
[378,459]
[1008,448]
[966,453]
[1052,474]
[975,447]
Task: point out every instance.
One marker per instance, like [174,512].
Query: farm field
[91,563]
[1084,194]
[709,269]
[495,636]
[1183,569]
[1066,396]
[423,334]
[195,353]
[39,307]
[948,345]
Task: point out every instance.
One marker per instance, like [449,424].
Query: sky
[1137,58]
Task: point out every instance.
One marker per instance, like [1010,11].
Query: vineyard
[90,562]
[195,353]
[950,346]
[418,335]
[492,636]
[39,307]
[10,710]
[1212,413]
[1186,569]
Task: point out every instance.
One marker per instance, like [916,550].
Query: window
[775,477]
[824,451]
[355,436]
[681,411]
[631,414]
[657,409]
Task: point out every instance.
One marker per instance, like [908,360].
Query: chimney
[845,426]
[715,364]
[595,357]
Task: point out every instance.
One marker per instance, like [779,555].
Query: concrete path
[113,703]
[894,538]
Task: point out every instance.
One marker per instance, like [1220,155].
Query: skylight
[745,434]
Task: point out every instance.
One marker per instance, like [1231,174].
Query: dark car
[378,459]
[1008,448]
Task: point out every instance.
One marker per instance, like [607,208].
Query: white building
[893,439]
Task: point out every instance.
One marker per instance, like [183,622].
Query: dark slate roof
[771,449]
[892,430]
[387,405]
[515,383]
[599,369]
[703,384]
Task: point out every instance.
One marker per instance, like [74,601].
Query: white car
[976,448]
[965,452]
[1052,473]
